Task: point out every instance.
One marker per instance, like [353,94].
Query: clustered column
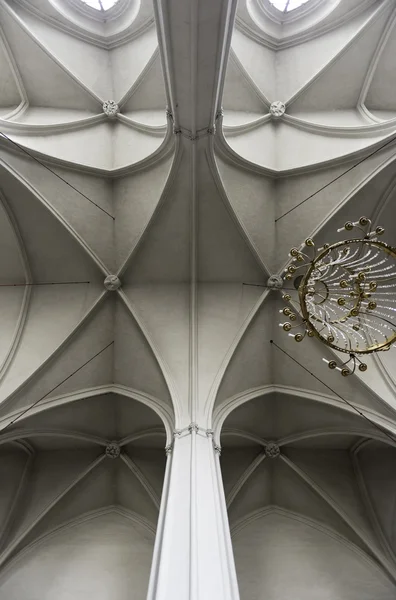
[193,557]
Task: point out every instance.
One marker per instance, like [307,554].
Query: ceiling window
[287,5]
[102,5]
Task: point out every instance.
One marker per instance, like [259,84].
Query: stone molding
[111,108]
[113,450]
[193,428]
[112,283]
[277,109]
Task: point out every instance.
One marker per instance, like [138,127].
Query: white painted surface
[106,558]
[194,223]
[194,558]
[279,557]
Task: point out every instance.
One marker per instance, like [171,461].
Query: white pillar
[193,558]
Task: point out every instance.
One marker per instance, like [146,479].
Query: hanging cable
[56,174]
[336,178]
[42,283]
[55,387]
[267,287]
[383,431]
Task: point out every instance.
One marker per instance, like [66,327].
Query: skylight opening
[287,5]
[101,5]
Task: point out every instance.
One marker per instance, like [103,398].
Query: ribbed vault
[191,193]
[328,478]
[74,462]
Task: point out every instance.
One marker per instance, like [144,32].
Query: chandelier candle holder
[346,293]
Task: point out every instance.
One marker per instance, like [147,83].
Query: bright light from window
[287,5]
[100,4]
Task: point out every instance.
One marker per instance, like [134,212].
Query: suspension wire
[55,387]
[269,288]
[336,178]
[56,174]
[42,283]
[336,393]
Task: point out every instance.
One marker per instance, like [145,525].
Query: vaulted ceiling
[182,195]
[332,473]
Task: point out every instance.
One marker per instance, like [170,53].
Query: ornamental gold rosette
[346,295]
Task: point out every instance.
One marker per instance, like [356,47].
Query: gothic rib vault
[181,194]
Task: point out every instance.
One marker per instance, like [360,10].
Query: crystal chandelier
[346,294]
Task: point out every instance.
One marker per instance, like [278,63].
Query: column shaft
[193,558]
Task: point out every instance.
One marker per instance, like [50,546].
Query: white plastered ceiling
[181,205]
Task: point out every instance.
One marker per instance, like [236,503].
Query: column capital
[189,430]
[217,448]
[193,427]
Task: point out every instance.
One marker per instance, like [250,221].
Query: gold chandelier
[346,294]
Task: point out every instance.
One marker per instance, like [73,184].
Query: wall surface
[105,558]
[279,558]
